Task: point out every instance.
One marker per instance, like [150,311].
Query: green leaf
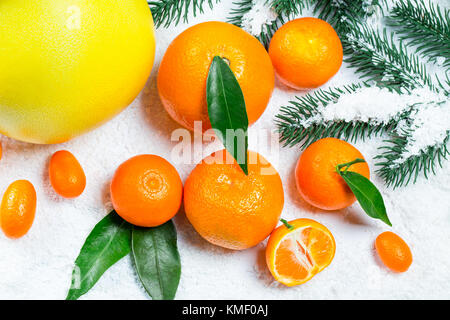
[367,195]
[108,242]
[157,260]
[227,112]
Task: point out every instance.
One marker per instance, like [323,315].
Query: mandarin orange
[184,70]
[146,191]
[296,252]
[229,208]
[306,53]
[316,177]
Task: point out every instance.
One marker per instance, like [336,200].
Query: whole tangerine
[146,191]
[184,70]
[306,53]
[231,209]
[316,177]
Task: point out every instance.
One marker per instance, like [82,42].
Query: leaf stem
[287,225]
[348,165]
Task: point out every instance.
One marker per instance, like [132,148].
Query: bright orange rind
[295,255]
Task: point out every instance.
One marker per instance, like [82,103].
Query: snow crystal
[429,126]
[440,61]
[338,3]
[361,106]
[260,15]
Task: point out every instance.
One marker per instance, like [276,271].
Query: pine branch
[284,10]
[344,15]
[300,122]
[427,27]
[399,172]
[317,115]
[374,54]
[242,8]
[168,12]
[378,58]
[291,7]
[418,144]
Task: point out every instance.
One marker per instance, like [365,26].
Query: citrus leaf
[157,260]
[367,195]
[226,110]
[108,242]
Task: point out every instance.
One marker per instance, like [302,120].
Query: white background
[38,266]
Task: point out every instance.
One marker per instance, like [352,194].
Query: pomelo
[67,66]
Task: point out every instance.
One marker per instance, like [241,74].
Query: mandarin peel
[294,256]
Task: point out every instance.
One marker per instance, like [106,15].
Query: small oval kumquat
[66,175]
[18,209]
[393,251]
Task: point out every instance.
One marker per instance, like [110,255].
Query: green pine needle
[407,171]
[241,8]
[344,15]
[285,9]
[377,57]
[292,132]
[168,12]
[295,129]
[425,26]
[291,7]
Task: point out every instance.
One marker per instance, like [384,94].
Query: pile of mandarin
[225,206]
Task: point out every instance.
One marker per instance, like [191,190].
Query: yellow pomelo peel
[67,66]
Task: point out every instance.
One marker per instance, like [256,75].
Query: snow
[38,266]
[260,15]
[429,126]
[361,107]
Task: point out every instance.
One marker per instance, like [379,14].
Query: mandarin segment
[306,53]
[393,251]
[296,255]
[230,209]
[184,69]
[67,177]
[18,209]
[316,177]
[146,191]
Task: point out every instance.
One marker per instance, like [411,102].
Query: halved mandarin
[298,250]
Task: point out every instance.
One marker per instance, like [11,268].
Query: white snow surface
[38,266]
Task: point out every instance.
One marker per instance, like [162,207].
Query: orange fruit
[18,209]
[146,191]
[184,69]
[230,209]
[393,251]
[296,255]
[316,177]
[306,53]
[66,174]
